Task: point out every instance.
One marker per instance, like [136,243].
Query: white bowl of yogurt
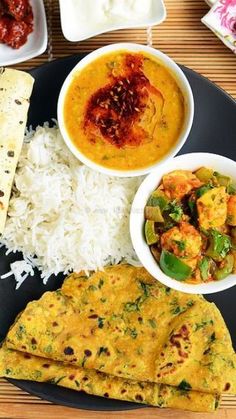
[82,19]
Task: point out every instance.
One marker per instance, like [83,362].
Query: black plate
[213,130]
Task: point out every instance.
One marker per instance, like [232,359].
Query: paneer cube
[179,183]
[212,208]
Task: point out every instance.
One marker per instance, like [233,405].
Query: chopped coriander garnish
[175,211]
[181,245]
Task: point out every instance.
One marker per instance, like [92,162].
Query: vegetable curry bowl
[183,223]
[124,109]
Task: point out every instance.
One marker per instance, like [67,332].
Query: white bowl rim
[176,72]
[190,161]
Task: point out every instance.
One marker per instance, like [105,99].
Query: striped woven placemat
[182,36]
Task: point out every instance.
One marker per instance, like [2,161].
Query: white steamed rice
[64,216]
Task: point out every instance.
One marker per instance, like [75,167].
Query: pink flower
[227,12]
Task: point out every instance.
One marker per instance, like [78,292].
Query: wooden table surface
[186,40]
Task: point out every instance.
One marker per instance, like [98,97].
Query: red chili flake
[34,341]
[27,356]
[123,391]
[71,377]
[55,324]
[106,395]
[87,352]
[114,109]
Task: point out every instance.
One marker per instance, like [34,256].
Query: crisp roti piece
[15,90]
[21,366]
[123,322]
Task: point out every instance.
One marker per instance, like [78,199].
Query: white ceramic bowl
[176,72]
[191,162]
[36,43]
[71,18]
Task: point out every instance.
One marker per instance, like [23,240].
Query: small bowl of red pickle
[23,30]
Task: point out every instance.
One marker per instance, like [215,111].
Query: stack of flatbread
[121,334]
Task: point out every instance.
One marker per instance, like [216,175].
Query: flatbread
[123,322]
[15,90]
[22,366]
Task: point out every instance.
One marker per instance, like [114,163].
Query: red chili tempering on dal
[115,108]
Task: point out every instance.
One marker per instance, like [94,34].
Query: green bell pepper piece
[231,189]
[204,174]
[172,266]
[154,214]
[158,199]
[222,273]
[222,179]
[220,245]
[150,234]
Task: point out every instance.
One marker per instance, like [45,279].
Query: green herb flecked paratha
[14,364]
[124,323]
